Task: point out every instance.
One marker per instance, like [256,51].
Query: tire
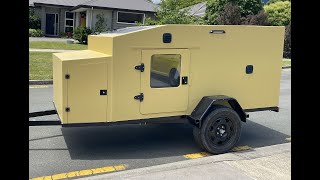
[196,136]
[220,130]
[174,82]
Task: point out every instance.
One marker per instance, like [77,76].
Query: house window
[130,18]
[69,22]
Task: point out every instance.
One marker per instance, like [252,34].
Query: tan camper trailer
[211,75]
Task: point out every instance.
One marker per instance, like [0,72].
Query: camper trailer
[212,75]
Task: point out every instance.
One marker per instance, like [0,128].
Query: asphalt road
[54,150]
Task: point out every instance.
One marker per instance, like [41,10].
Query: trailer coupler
[43,122]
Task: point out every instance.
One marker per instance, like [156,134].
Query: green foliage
[172,12]
[81,34]
[100,25]
[231,15]
[287,42]
[279,13]
[274,1]
[35,33]
[250,7]
[215,7]
[34,20]
[187,3]
[260,19]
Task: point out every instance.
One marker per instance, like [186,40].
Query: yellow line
[85,172]
[204,154]
[39,86]
[197,155]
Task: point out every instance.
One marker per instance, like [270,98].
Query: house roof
[139,5]
[197,9]
[68,3]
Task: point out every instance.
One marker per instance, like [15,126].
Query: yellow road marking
[197,155]
[39,86]
[85,172]
[288,139]
[204,154]
[241,148]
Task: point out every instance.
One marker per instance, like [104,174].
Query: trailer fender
[208,104]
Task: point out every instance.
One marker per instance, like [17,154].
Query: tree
[100,25]
[279,13]
[215,7]
[287,42]
[34,20]
[260,19]
[231,15]
[274,1]
[171,12]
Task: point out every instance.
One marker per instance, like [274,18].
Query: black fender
[207,105]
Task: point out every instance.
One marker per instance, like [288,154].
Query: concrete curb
[41,82]
[50,81]
[235,156]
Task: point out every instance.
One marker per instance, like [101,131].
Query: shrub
[63,35]
[260,19]
[279,13]
[81,34]
[215,7]
[34,20]
[287,42]
[274,1]
[231,15]
[35,33]
[100,25]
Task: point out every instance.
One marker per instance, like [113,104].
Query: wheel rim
[221,131]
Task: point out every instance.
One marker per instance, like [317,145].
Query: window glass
[165,70]
[130,17]
[69,22]
[69,15]
[69,29]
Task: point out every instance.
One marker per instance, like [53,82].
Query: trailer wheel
[220,130]
[174,80]
[197,138]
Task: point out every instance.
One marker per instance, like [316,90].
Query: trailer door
[164,80]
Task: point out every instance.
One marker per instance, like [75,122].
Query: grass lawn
[286,63]
[40,65]
[56,45]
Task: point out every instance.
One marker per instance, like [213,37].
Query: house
[62,16]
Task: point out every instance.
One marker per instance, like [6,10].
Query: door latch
[139,97]
[185,80]
[140,67]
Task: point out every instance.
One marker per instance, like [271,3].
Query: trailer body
[162,71]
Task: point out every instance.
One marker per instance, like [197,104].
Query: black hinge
[140,67]
[139,97]
[67,109]
[67,76]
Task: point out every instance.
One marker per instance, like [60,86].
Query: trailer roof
[127,30]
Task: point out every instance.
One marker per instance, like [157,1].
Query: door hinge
[139,97]
[140,67]
[67,76]
[67,109]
